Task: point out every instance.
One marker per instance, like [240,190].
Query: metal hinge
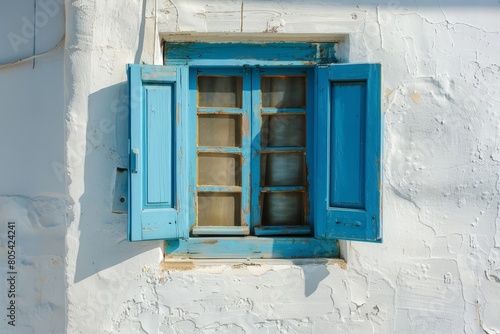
[134,160]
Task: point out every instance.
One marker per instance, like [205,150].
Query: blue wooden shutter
[156,100]
[349,160]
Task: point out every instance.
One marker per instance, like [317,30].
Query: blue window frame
[254,151]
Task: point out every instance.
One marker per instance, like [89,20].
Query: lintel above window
[239,54]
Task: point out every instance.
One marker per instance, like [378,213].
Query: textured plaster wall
[32,169]
[32,99]
[438,270]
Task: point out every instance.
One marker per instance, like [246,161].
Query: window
[254,150]
[251,150]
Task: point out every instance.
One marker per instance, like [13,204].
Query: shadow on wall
[103,240]
[313,274]
[103,235]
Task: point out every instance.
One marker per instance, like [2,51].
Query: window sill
[252,248]
[257,265]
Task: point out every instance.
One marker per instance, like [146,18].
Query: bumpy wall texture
[438,269]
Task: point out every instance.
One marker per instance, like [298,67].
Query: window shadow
[314,272]
[103,234]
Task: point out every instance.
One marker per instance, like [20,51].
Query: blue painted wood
[191,151]
[311,98]
[218,110]
[336,219]
[230,189]
[219,149]
[160,172]
[155,102]
[157,224]
[134,160]
[257,150]
[256,122]
[238,71]
[250,248]
[347,145]
[279,70]
[321,166]
[282,230]
[223,54]
[245,149]
[349,122]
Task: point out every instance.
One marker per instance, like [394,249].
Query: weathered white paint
[438,270]
[32,169]
[32,100]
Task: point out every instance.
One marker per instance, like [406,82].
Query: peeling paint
[177,265]
[415,96]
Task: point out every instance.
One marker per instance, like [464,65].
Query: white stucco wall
[438,269]
[32,168]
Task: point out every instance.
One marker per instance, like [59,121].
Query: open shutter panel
[155,95]
[349,161]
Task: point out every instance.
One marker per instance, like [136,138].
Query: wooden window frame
[329,221]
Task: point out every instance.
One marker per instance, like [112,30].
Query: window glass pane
[219,130]
[283,91]
[219,169]
[282,169]
[219,209]
[218,91]
[283,208]
[283,130]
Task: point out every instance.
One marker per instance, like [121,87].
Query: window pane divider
[287,149]
[210,188]
[282,230]
[252,247]
[284,111]
[219,111]
[236,150]
[282,188]
[221,230]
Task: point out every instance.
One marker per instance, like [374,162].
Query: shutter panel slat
[347,145]
[154,99]
[348,172]
[159,171]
